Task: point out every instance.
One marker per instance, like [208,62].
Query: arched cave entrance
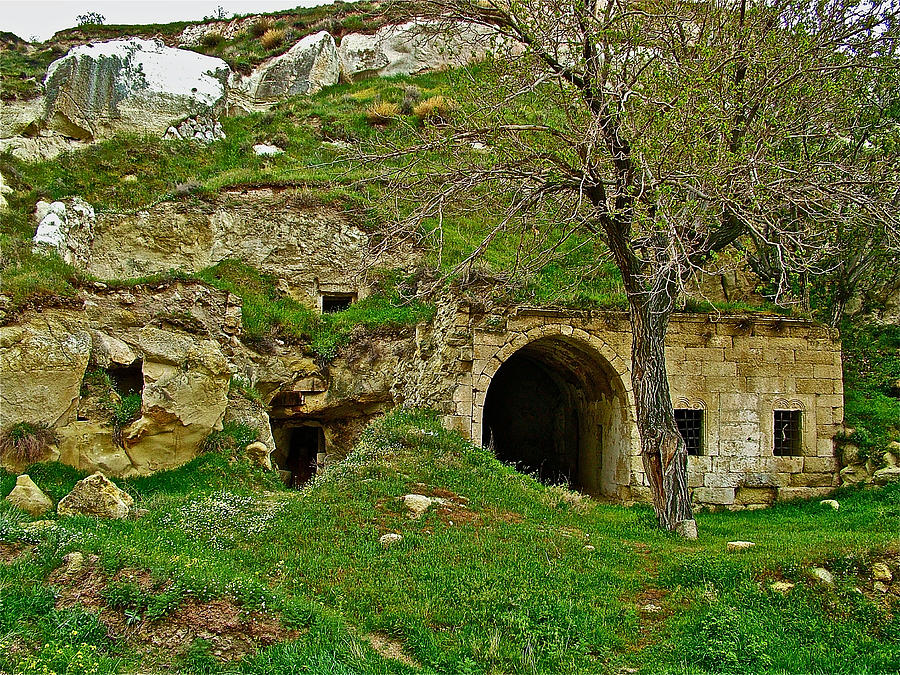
[556,407]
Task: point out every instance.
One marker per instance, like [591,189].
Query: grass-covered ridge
[500,577]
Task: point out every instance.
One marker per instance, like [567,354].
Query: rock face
[139,85]
[4,190]
[41,366]
[96,496]
[305,68]
[184,398]
[413,47]
[29,497]
[889,474]
[278,231]
[202,128]
[66,228]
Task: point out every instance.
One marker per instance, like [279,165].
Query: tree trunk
[663,450]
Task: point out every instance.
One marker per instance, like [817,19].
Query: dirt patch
[9,552]
[230,631]
[391,649]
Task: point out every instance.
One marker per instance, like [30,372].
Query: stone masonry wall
[737,369]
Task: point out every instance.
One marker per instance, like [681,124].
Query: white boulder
[307,67]
[266,150]
[65,228]
[415,47]
[138,85]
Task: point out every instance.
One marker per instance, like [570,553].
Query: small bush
[382,112]
[245,388]
[411,96]
[435,109]
[212,39]
[233,438]
[272,38]
[124,411]
[261,26]
[26,442]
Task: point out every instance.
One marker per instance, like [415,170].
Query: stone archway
[557,407]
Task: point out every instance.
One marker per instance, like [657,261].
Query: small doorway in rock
[337,302]
[127,379]
[302,447]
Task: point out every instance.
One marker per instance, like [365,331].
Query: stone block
[812,479]
[759,480]
[695,479]
[820,464]
[815,386]
[719,368]
[704,354]
[711,495]
[699,463]
[790,493]
[789,464]
[755,495]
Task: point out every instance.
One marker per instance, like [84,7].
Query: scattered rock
[889,474]
[139,85]
[202,128]
[881,572]
[833,503]
[390,539]
[589,548]
[29,497]
[822,575]
[651,608]
[4,190]
[417,505]
[39,525]
[687,528]
[781,586]
[96,496]
[265,150]
[737,546]
[880,586]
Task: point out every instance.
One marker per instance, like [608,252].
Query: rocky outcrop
[4,190]
[184,398]
[139,85]
[21,118]
[305,68]
[42,363]
[96,496]
[414,47]
[66,228]
[29,497]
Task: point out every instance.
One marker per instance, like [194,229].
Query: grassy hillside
[227,571]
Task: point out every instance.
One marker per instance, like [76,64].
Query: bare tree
[668,130]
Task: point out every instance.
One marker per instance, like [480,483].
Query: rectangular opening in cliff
[127,379]
[337,302]
[298,450]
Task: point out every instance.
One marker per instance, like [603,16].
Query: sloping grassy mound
[500,574]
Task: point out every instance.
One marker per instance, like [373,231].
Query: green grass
[507,587]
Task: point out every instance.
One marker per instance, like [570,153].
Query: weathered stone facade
[737,369]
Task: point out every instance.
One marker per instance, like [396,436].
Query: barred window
[690,425]
[787,433]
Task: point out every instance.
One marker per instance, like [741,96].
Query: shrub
[233,438]
[27,442]
[435,109]
[382,112]
[124,411]
[212,39]
[411,96]
[261,26]
[272,38]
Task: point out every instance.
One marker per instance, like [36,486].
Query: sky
[42,18]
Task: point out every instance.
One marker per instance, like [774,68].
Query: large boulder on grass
[27,496]
[136,85]
[96,496]
[415,47]
[307,67]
